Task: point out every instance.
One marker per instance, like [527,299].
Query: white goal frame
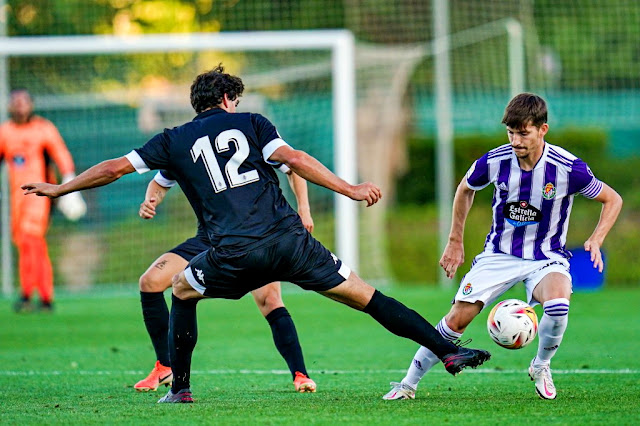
[341,43]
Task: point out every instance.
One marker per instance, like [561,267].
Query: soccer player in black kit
[256,237]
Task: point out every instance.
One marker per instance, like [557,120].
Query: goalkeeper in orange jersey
[27,142]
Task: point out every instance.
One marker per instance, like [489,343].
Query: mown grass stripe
[285,372]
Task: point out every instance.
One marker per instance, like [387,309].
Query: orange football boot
[303,383]
[160,375]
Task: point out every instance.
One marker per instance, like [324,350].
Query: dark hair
[525,109]
[208,89]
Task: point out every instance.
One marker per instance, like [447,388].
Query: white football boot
[541,375]
[400,391]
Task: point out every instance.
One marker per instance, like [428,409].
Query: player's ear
[544,129]
[226,101]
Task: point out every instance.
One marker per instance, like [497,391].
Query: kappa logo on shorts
[467,289]
[199,274]
[335,259]
[549,191]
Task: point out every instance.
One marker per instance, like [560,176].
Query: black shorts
[296,257]
[192,247]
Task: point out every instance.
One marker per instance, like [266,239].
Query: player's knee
[151,284]
[268,298]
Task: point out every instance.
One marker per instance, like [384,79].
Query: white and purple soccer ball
[512,324]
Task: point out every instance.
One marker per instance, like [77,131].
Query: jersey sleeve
[153,155]
[269,139]
[57,150]
[165,179]
[582,181]
[478,174]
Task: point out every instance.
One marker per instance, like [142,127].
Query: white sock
[551,329]
[424,359]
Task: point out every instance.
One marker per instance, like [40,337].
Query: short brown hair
[209,88]
[525,109]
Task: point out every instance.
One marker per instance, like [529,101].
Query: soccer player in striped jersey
[268,298]
[534,184]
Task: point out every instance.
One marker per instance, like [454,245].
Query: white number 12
[203,147]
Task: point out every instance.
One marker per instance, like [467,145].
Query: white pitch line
[285,372]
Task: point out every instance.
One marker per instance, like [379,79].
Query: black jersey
[220,161]
[166,179]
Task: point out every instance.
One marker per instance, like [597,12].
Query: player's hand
[42,189]
[452,258]
[305,216]
[593,247]
[368,192]
[148,208]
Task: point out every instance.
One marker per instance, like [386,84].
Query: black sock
[405,322]
[183,335]
[156,318]
[286,339]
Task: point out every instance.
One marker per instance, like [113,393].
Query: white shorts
[492,274]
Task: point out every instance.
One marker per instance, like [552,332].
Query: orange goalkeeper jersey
[24,148]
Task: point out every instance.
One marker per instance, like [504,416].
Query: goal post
[340,43]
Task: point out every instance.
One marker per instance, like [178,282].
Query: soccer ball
[512,324]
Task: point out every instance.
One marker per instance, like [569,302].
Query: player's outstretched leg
[269,300]
[405,322]
[460,316]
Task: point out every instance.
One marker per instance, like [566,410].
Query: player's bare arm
[153,197]
[299,187]
[611,206]
[453,255]
[312,170]
[98,175]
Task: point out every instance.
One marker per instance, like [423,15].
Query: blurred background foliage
[583,56]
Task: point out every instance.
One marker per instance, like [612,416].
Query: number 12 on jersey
[203,148]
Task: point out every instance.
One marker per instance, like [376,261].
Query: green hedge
[413,232]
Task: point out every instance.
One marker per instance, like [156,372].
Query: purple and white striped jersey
[531,208]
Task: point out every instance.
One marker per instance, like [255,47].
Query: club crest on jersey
[549,191]
[466,290]
[521,213]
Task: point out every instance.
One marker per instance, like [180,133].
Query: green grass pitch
[78,365]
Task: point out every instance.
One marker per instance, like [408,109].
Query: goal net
[108,95]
